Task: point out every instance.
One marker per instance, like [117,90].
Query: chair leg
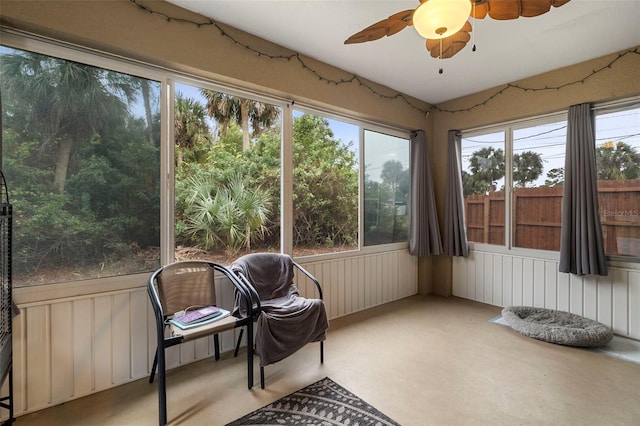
[216,346]
[261,377]
[235,353]
[153,367]
[321,352]
[162,388]
[250,356]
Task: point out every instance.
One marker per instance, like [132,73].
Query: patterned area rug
[322,403]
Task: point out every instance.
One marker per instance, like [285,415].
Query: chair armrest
[246,291]
[252,299]
[311,277]
[155,301]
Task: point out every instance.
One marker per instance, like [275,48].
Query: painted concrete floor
[421,361]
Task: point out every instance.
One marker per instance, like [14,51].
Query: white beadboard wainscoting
[509,280]
[66,348]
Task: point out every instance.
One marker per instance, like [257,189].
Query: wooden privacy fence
[537,215]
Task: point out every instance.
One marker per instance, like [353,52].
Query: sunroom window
[512,181]
[387,188]
[537,163]
[227,175]
[325,185]
[483,172]
[80,153]
[99,190]
[618,168]
[533,169]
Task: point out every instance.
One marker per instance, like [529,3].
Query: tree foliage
[192,134]
[81,153]
[527,167]
[67,102]
[225,109]
[555,177]
[472,186]
[325,179]
[614,161]
[325,189]
[617,161]
[81,172]
[487,168]
[230,213]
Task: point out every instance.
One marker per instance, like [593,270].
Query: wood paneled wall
[69,348]
[508,280]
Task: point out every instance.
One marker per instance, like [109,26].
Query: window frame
[167,79]
[508,127]
[305,109]
[16,40]
[361,204]
[202,83]
[607,108]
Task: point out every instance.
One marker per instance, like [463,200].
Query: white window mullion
[361,188]
[286,179]
[508,187]
[167,176]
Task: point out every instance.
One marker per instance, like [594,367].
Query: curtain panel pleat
[424,235]
[581,244]
[455,232]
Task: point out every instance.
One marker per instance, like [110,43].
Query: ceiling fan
[445,24]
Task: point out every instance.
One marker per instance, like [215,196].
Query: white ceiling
[507,51]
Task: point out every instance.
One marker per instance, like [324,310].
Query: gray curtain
[581,244]
[424,235]
[455,233]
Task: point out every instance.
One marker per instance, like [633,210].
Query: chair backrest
[184,284]
[271,274]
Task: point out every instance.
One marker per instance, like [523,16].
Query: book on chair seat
[197,317]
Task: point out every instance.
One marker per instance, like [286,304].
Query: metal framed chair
[179,285]
[285,321]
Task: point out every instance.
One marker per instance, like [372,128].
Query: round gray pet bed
[559,327]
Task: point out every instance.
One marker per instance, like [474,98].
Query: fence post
[487,204]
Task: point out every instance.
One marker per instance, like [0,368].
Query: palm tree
[487,167]
[230,213]
[68,102]
[145,90]
[619,161]
[225,108]
[192,133]
[527,167]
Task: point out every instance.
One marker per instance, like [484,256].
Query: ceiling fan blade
[534,8]
[512,9]
[450,45]
[503,10]
[480,10]
[558,3]
[387,27]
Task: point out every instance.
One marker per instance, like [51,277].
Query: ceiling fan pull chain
[473,32]
[440,71]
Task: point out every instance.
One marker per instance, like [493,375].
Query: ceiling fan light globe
[435,19]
